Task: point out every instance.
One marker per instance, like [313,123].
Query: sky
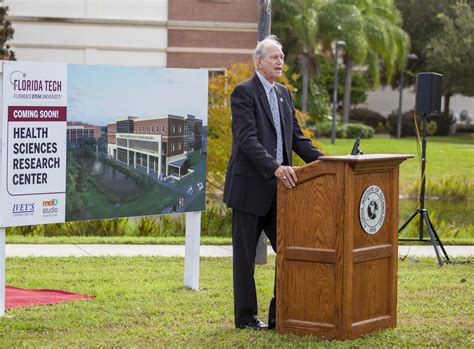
[99,94]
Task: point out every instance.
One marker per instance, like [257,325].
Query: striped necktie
[276,122]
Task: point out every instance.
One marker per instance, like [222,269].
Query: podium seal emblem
[372,209]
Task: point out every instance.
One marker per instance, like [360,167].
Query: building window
[179,129]
[173,129]
[172,146]
[163,129]
[147,129]
[152,129]
[179,146]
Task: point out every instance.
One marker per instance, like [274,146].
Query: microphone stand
[422,211]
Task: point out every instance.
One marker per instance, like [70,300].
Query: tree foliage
[451,53]
[422,22]
[296,22]
[6,33]
[219,121]
[371,29]
[373,36]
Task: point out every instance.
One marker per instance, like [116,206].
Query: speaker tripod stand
[423,212]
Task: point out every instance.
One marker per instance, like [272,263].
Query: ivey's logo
[372,209]
[49,207]
[23,209]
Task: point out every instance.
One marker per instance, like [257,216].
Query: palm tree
[373,35]
[296,22]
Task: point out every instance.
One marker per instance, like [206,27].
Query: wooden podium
[334,279]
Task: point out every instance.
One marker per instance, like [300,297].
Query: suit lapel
[263,98]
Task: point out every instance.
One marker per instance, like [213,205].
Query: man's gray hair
[259,51]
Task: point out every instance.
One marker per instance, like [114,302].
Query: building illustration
[159,146]
[78,131]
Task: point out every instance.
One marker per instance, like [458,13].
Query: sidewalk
[178,250]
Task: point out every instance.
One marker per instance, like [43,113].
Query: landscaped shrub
[27,230]
[104,227]
[323,129]
[217,221]
[358,130]
[465,128]
[147,226]
[368,117]
[443,124]
[408,124]
[447,188]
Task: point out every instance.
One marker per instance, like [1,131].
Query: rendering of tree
[450,52]
[6,33]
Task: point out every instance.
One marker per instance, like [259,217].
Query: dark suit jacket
[250,184]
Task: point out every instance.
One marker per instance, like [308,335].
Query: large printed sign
[34,109]
[86,142]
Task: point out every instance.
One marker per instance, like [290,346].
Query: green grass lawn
[115,240]
[161,240]
[141,303]
[445,156]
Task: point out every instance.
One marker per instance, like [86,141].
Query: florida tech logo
[372,209]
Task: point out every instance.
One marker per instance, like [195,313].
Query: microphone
[355,147]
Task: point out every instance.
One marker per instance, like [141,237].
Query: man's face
[271,65]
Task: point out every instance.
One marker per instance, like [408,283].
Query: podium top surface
[366,157]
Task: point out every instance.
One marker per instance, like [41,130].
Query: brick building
[159,145]
[77,132]
[167,33]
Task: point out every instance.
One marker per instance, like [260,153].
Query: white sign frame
[57,195]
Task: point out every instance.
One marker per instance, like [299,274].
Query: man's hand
[287,175]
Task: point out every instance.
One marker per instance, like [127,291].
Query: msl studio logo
[50,208]
[27,209]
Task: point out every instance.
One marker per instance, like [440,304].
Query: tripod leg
[409,220]
[430,225]
[420,230]
[433,240]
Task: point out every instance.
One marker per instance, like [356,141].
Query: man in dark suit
[265,131]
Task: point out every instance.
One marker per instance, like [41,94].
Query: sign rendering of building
[160,145]
[67,154]
[77,132]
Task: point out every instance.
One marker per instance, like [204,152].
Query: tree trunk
[264,18]
[304,64]
[346,102]
[447,99]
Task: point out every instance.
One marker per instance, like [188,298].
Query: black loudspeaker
[428,93]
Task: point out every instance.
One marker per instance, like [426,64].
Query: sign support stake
[191,251]
[2,271]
